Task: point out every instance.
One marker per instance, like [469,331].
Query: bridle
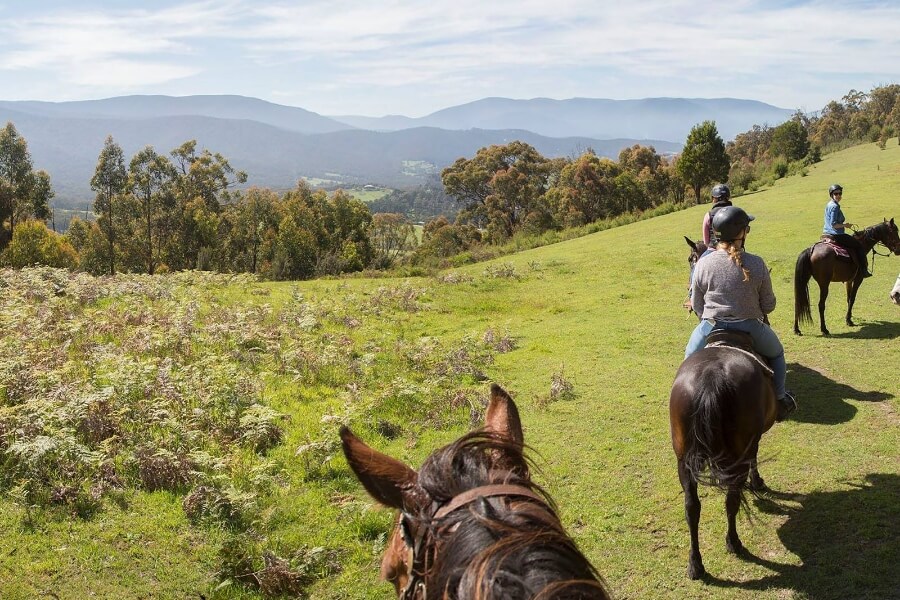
[419,555]
[868,234]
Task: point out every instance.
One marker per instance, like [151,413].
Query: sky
[374,58]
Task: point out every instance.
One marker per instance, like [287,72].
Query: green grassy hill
[604,313]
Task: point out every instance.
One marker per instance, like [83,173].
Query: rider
[835,228]
[733,290]
[721,196]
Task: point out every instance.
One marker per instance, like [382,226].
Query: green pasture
[368,194]
[602,312]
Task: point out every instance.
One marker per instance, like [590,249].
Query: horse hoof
[797,332]
[695,572]
[760,487]
[734,547]
[826,332]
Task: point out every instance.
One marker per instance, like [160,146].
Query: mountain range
[277,145]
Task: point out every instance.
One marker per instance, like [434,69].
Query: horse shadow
[822,400]
[876,330]
[846,541]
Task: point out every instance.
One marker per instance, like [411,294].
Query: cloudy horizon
[357,58]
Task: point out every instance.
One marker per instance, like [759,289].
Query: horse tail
[707,459]
[705,456]
[802,275]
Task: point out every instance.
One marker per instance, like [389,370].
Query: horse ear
[387,480]
[690,242]
[502,416]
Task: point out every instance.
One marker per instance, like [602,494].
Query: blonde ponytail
[737,255]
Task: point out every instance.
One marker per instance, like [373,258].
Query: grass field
[604,313]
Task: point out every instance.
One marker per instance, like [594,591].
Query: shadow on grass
[822,400]
[876,330]
[847,541]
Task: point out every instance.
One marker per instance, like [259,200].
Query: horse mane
[499,547]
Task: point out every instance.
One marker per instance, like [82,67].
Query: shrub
[33,244]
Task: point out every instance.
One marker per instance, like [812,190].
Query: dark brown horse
[697,250]
[822,263]
[722,401]
[472,524]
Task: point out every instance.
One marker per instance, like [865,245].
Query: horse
[722,402]
[822,263]
[895,292]
[697,250]
[471,522]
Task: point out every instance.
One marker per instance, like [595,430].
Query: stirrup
[786,405]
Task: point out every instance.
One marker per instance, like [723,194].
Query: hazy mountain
[67,147]
[650,118]
[222,107]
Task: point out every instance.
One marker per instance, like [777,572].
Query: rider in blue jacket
[836,228]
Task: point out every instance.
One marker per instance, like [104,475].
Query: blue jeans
[765,341]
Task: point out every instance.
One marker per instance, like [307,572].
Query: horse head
[697,250]
[891,239]
[471,516]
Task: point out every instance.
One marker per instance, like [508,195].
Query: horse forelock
[502,546]
[472,461]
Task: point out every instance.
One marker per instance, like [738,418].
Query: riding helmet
[835,187]
[721,192]
[729,222]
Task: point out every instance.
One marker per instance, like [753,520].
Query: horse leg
[732,505]
[823,295]
[756,481]
[692,514]
[852,288]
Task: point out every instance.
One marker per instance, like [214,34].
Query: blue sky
[339,57]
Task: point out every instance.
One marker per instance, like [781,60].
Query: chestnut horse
[722,401]
[471,522]
[822,263]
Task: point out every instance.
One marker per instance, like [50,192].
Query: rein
[868,234]
[418,555]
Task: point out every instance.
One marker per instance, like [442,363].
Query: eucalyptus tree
[201,187]
[150,180]
[109,183]
[24,193]
[500,187]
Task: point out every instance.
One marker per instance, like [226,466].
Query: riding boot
[863,264]
[786,405]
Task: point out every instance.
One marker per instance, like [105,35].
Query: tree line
[175,211]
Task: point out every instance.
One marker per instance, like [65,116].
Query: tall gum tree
[24,193]
[109,183]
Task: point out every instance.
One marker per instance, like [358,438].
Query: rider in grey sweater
[720,292]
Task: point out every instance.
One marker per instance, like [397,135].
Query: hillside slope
[604,312]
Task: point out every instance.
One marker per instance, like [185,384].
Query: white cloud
[451,47]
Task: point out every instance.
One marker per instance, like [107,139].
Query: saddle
[738,340]
[838,249]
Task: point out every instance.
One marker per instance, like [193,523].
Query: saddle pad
[838,249]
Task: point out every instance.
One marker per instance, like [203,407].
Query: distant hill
[649,118]
[147,107]
[66,138]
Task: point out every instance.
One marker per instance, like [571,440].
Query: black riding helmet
[721,192]
[835,187]
[729,222]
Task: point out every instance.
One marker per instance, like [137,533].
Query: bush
[33,244]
